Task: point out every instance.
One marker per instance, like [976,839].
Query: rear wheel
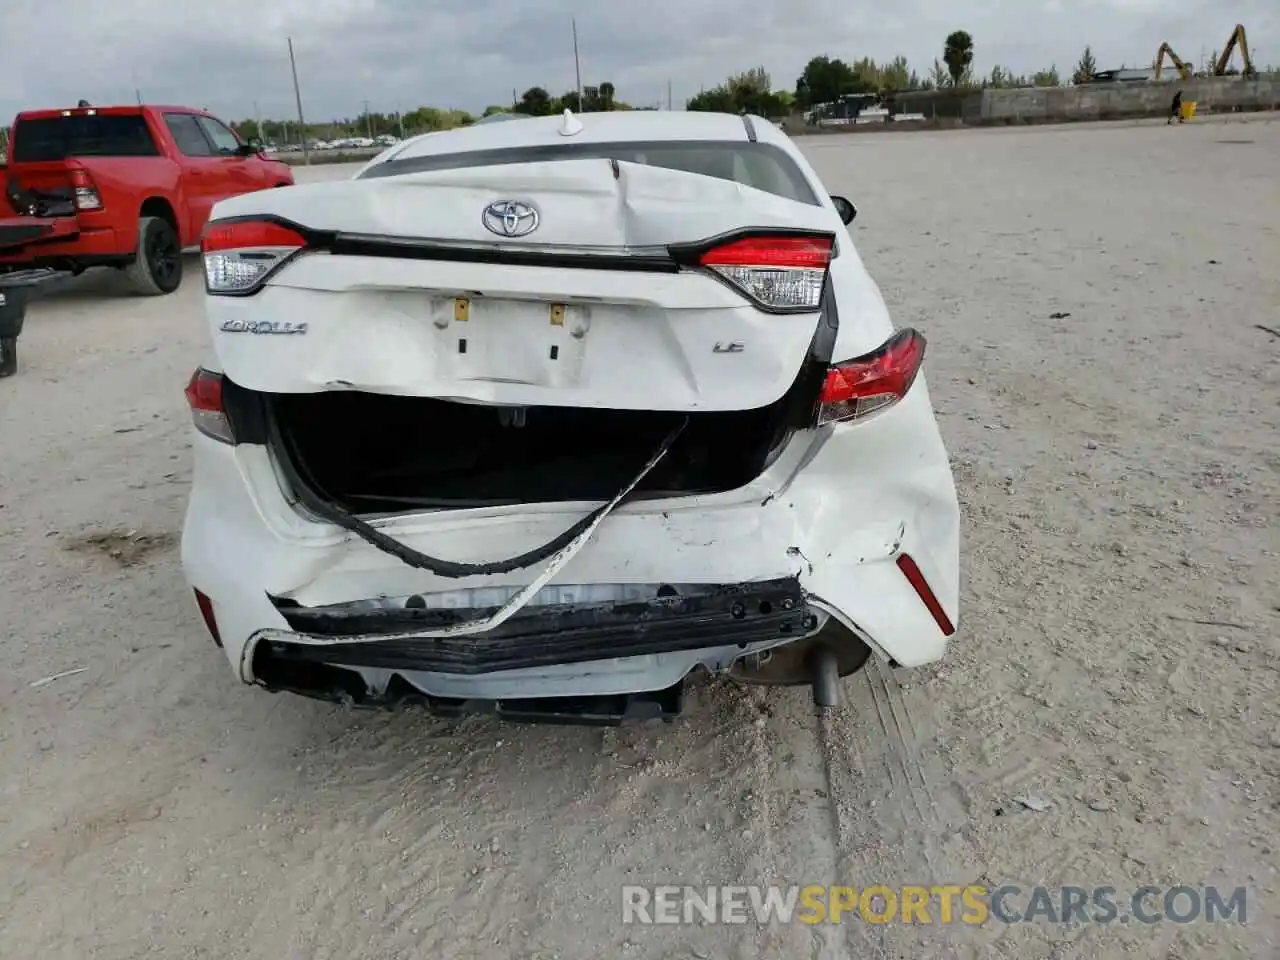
[157,267]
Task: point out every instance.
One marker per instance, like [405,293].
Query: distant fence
[1091,101]
[1115,101]
[318,157]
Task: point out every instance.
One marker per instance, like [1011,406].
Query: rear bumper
[89,248]
[545,635]
[832,516]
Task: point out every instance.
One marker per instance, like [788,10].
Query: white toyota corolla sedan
[546,417]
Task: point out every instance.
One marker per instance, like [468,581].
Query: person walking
[1175,112]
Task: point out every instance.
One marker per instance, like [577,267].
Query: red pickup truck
[125,187]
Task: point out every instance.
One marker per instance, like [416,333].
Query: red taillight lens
[204,396]
[782,273]
[240,255]
[248,233]
[862,386]
[86,191]
[206,613]
[801,251]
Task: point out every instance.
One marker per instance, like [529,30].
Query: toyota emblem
[510,218]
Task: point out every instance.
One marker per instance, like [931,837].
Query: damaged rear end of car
[546,438]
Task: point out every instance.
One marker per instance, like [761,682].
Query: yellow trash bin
[1188,109]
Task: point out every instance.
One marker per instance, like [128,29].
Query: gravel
[1089,293]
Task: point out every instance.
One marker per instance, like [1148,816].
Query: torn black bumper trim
[341,685]
[548,635]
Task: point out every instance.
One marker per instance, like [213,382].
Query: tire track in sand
[890,808]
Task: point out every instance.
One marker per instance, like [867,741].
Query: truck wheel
[157,268]
[8,356]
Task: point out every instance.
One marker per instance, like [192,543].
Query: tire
[8,356]
[157,267]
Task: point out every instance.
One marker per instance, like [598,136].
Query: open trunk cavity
[371,453]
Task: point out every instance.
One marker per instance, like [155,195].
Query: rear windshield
[56,138]
[761,166]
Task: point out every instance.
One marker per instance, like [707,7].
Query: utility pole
[400,117]
[368,121]
[297,95]
[577,67]
[668,94]
[257,116]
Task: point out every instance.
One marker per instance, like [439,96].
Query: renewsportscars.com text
[934,904]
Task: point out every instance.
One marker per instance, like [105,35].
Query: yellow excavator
[1237,38]
[1183,69]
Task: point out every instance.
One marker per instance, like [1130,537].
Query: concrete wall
[941,104]
[1105,101]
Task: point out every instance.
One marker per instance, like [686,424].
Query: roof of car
[108,109]
[614,126]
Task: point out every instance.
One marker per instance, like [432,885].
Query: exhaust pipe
[817,661]
[826,677]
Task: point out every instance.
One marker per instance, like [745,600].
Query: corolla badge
[510,218]
[263,326]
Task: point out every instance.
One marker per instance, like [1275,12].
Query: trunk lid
[583,203]
[418,297]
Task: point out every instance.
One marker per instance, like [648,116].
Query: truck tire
[157,268]
[8,356]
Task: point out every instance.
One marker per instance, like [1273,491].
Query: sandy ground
[1090,296]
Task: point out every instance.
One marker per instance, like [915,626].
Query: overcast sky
[228,54]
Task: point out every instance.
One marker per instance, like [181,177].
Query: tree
[747,92]
[938,76]
[825,80]
[751,91]
[535,102]
[957,54]
[866,73]
[606,95]
[897,75]
[490,110]
[569,101]
[1047,78]
[716,100]
[1086,68]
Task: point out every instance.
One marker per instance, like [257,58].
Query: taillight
[86,191]
[240,255]
[204,396]
[860,387]
[783,273]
